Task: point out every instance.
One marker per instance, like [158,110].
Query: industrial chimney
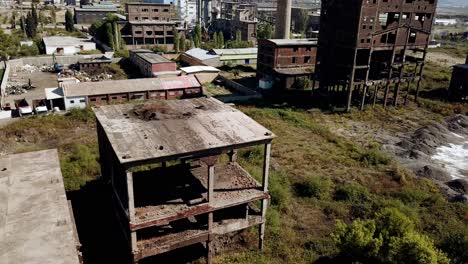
[283,19]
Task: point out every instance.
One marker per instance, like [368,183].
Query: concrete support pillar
[232,156]
[131,210]
[387,87]
[363,100]
[210,196]
[266,171]
[283,19]
[407,93]
[376,90]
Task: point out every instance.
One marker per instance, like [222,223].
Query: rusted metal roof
[127,86]
[165,130]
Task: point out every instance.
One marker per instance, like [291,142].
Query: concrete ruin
[172,182]
[370,46]
[36,223]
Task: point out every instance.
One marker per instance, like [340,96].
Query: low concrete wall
[246,93]
[4,82]
[48,60]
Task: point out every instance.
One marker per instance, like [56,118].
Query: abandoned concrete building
[93,64]
[284,63]
[36,221]
[150,24]
[80,95]
[236,16]
[88,14]
[151,64]
[172,188]
[366,46]
[458,90]
[150,11]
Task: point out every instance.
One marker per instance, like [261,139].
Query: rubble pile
[84,76]
[13,88]
[32,68]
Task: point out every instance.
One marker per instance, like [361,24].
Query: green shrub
[80,166]
[352,192]
[389,238]
[455,244]
[415,248]
[84,115]
[358,240]
[374,157]
[280,192]
[314,186]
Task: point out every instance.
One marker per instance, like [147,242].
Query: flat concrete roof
[129,86]
[197,69]
[152,57]
[65,41]
[170,129]
[35,222]
[292,42]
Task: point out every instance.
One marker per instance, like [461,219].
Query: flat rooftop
[152,57]
[65,41]
[35,222]
[129,86]
[293,42]
[166,130]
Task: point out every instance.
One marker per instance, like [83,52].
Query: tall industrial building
[373,45]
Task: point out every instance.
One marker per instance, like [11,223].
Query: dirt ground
[39,79]
[443,59]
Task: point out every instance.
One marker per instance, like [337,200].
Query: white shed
[66,45]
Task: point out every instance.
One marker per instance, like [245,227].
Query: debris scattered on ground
[14,88]
[84,77]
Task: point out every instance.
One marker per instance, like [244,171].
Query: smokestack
[283,19]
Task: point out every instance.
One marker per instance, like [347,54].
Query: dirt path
[444,59]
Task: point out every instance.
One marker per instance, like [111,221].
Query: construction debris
[13,88]
[85,77]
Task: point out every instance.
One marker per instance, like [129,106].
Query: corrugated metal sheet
[200,54]
[196,69]
[245,51]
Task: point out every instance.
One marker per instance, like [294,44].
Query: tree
[69,24]
[238,36]
[265,31]
[13,21]
[110,35]
[34,15]
[182,42]
[30,26]
[192,43]
[302,21]
[221,40]
[42,19]
[198,36]
[53,15]
[215,39]
[176,39]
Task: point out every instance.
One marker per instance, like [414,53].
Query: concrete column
[209,243]
[283,19]
[266,171]
[131,210]
[232,156]
[363,101]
